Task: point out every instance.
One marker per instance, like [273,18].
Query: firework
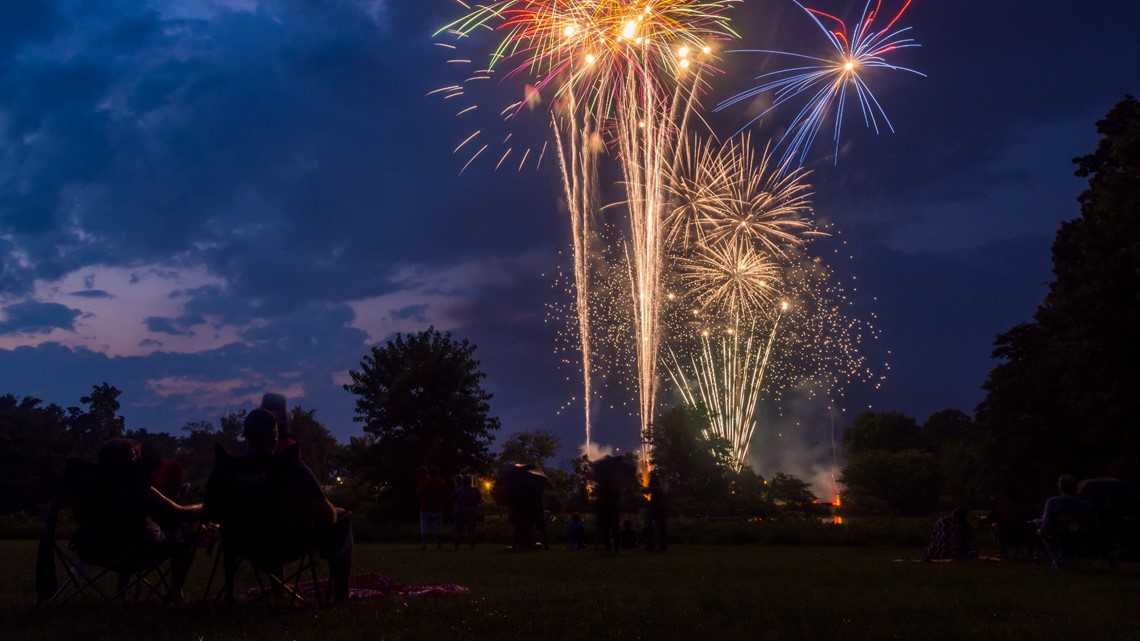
[578,166]
[730,279]
[589,46]
[614,68]
[727,382]
[622,81]
[724,194]
[856,52]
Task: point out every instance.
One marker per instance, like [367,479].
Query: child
[576,533]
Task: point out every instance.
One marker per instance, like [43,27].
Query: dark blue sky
[203,200]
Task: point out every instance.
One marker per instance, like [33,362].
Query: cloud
[33,317]
[163,326]
[410,312]
[92,293]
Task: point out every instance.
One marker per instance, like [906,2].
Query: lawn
[692,592]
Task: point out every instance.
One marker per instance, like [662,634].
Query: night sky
[204,200]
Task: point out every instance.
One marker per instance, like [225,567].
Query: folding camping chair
[247,496]
[1077,536]
[110,517]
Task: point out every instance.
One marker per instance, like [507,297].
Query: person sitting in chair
[167,525]
[1066,503]
[330,526]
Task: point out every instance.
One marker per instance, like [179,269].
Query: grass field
[692,592]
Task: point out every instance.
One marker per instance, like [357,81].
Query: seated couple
[132,510]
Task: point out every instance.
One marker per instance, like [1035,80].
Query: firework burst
[725,193]
[730,279]
[856,53]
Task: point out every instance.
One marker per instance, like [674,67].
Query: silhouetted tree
[889,466]
[890,431]
[1063,396]
[791,492]
[693,464]
[100,421]
[529,448]
[33,448]
[963,449]
[908,481]
[196,445]
[319,448]
[420,398]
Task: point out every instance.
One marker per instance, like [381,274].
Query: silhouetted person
[276,405]
[166,474]
[167,525]
[658,513]
[331,528]
[465,499]
[1067,502]
[628,536]
[607,509]
[1010,521]
[575,532]
[433,494]
[953,539]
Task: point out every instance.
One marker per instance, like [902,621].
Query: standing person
[607,508]
[276,405]
[433,493]
[1010,522]
[658,513]
[465,508]
[576,533]
[628,537]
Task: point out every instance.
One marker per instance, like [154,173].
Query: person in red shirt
[433,493]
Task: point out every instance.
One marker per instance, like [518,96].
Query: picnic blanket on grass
[371,584]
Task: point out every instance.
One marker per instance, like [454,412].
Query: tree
[962,447]
[890,431]
[319,448]
[749,494]
[1063,396]
[195,449]
[691,461]
[420,398]
[948,427]
[99,422]
[528,448]
[33,448]
[792,492]
[907,481]
[889,465]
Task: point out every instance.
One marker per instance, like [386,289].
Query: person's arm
[319,509]
[157,499]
